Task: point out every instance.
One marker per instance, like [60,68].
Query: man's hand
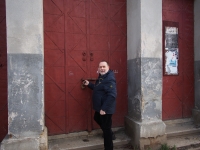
[102,112]
[85,82]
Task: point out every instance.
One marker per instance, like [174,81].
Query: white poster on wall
[171,51]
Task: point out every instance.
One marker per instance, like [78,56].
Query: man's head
[103,67]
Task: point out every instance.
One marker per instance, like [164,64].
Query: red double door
[178,90]
[78,35]
[3,73]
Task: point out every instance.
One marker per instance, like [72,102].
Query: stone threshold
[86,140]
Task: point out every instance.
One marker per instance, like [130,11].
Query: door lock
[89,79]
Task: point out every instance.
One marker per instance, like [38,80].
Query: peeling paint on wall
[25,94]
[147,102]
[12,117]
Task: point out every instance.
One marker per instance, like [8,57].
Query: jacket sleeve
[111,93]
[91,85]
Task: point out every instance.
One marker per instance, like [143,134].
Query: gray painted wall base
[145,134]
[196,116]
[39,142]
[196,110]
[145,88]
[197,84]
[25,95]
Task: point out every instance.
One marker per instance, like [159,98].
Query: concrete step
[87,141]
[182,134]
[181,127]
[185,142]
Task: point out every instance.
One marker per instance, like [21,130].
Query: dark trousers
[105,122]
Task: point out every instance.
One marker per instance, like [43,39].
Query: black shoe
[113,136]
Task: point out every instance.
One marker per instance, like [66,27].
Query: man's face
[103,68]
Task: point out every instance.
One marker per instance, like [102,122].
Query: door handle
[1,63]
[84,58]
[91,56]
[89,79]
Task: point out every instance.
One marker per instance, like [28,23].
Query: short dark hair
[105,62]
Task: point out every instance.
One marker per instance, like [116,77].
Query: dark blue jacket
[104,93]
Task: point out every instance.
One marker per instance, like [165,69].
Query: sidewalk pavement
[95,142]
[181,133]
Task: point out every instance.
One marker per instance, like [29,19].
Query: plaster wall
[151,59]
[25,68]
[133,29]
[24,22]
[197,30]
[134,55]
[144,27]
[151,29]
[144,59]
[25,95]
[197,58]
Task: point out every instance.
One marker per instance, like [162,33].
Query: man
[104,101]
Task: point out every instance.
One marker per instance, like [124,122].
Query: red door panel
[54,61]
[3,73]
[178,91]
[78,35]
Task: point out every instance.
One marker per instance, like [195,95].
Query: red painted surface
[3,73]
[178,91]
[78,34]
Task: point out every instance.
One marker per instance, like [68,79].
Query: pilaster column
[144,121]
[196,110]
[25,57]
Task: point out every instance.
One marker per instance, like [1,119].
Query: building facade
[48,47]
